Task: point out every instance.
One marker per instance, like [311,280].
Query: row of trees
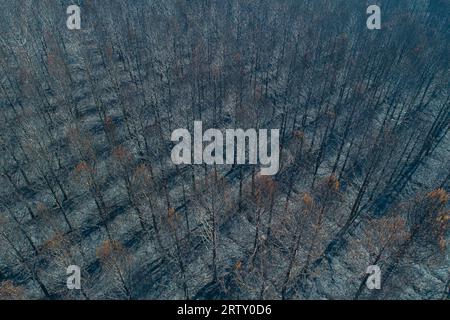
[85,137]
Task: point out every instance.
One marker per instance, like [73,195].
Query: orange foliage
[8,291]
[440,196]
[142,175]
[109,124]
[307,200]
[266,185]
[258,93]
[82,167]
[331,114]
[171,216]
[41,208]
[51,58]
[109,52]
[108,249]
[442,221]
[298,134]
[333,183]
[216,71]
[58,242]
[121,154]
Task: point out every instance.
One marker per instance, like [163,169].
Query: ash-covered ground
[87,177]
